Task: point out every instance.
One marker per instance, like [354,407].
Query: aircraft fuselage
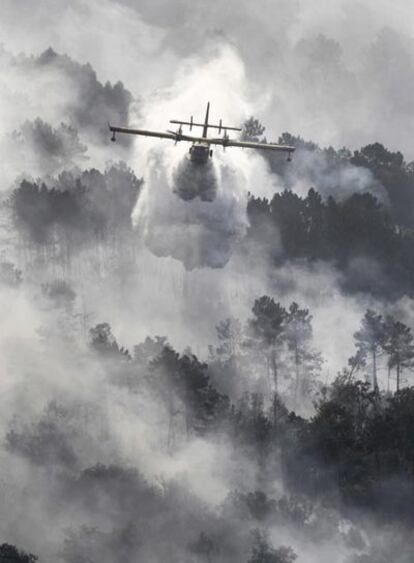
[200,152]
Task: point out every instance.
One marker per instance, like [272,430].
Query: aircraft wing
[143,132]
[223,141]
[251,145]
[160,134]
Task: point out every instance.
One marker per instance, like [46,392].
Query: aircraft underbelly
[199,153]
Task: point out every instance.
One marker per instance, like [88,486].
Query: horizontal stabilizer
[192,124]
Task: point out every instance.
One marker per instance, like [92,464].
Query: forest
[354,454]
[211,365]
[342,449]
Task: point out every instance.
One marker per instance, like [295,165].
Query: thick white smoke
[179,274]
[193,214]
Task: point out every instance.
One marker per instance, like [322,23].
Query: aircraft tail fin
[205,128]
[206,125]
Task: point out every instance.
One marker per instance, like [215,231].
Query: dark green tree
[263,552]
[147,351]
[340,440]
[369,340]
[267,330]
[390,169]
[398,344]
[306,362]
[184,385]
[250,425]
[398,435]
[10,554]
[315,224]
[252,130]
[288,216]
[230,336]
[103,341]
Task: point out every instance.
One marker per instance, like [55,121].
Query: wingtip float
[200,150]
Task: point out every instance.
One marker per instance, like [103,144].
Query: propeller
[177,134]
[225,138]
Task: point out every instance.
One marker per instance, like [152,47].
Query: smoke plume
[130,429]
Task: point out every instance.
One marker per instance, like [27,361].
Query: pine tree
[398,344]
[10,554]
[369,340]
[299,340]
[263,552]
[267,328]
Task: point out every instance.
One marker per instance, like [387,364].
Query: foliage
[78,208]
[10,554]
[252,130]
[103,341]
[356,235]
[262,552]
[186,378]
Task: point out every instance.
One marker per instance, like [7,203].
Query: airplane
[200,150]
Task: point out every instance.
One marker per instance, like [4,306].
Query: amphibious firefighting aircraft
[200,150]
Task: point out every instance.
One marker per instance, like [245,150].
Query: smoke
[88,471]
[315,75]
[329,174]
[199,233]
[347,63]
[195,232]
[74,93]
[192,180]
[55,114]
[42,149]
[196,214]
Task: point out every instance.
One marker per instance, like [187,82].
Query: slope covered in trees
[337,452]
[357,214]
[299,458]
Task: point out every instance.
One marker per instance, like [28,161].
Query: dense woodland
[353,455]
[369,239]
[342,449]
[357,441]
[206,364]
